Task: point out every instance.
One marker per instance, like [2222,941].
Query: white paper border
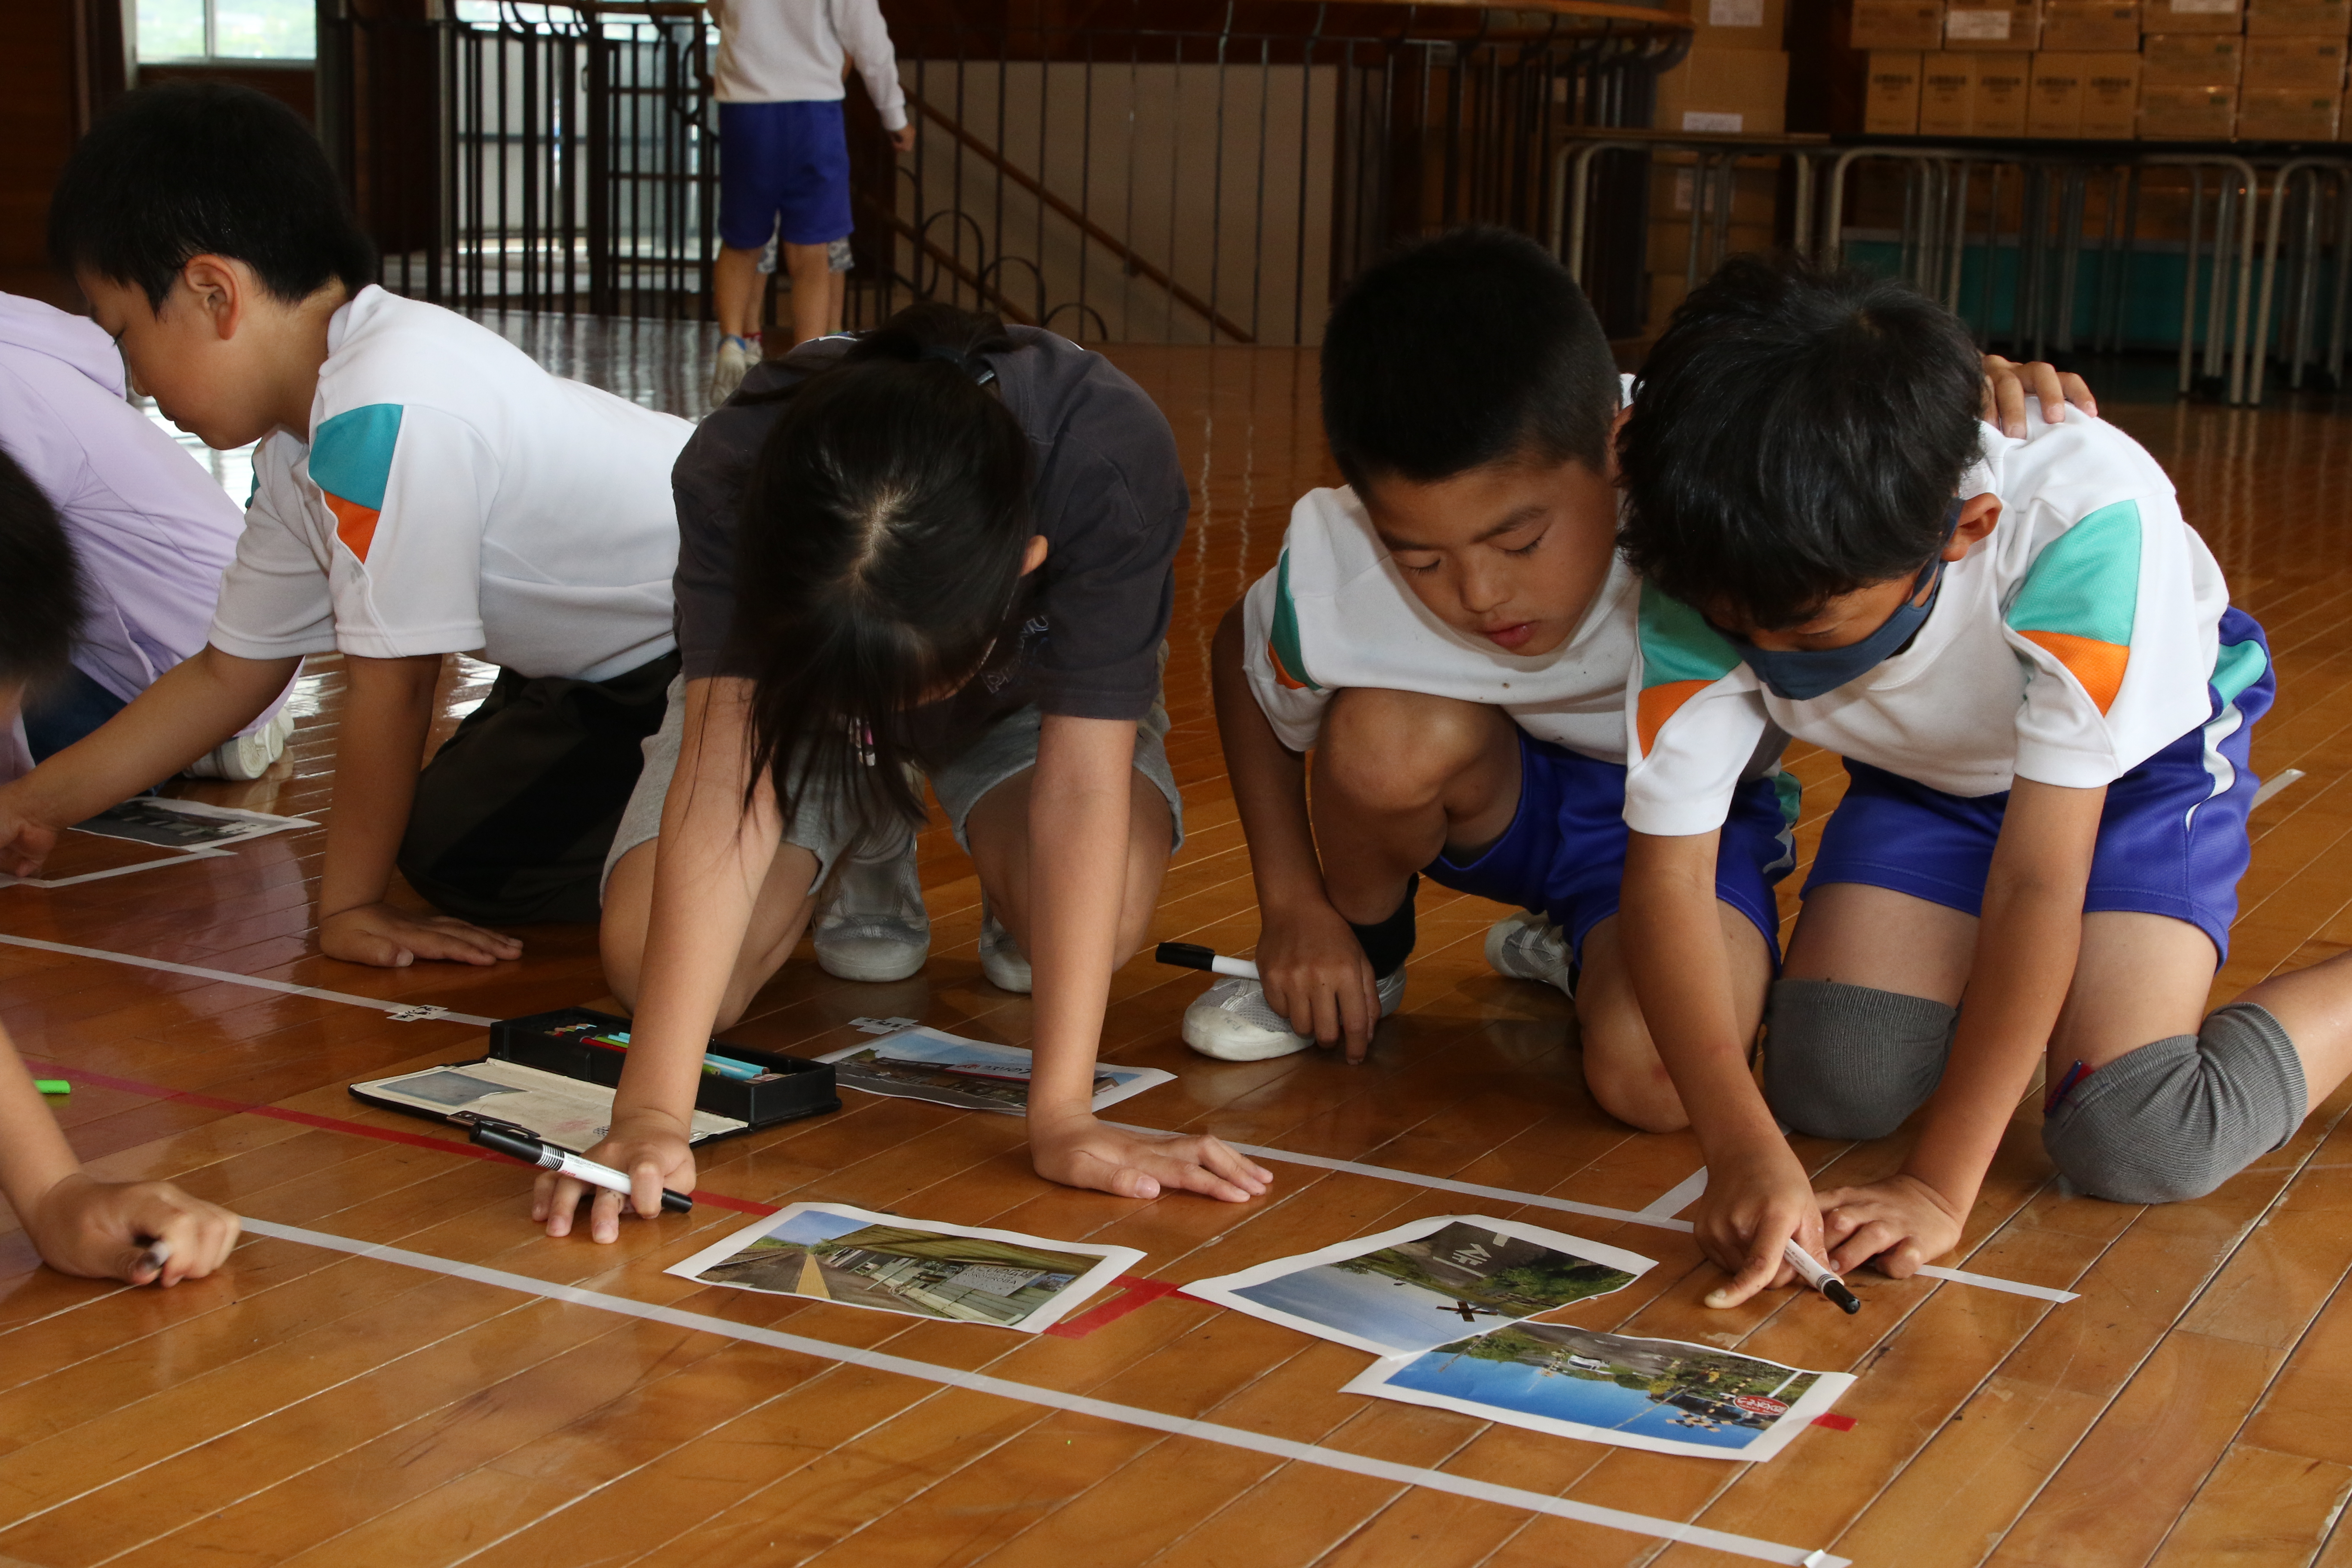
[1222,1289]
[1145,1077]
[1828,1387]
[256,823]
[1116,1261]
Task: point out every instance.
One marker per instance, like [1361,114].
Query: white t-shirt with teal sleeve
[455,498]
[1336,612]
[2068,646]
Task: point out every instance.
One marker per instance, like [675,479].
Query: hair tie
[980,371]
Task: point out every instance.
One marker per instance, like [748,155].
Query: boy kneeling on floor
[2030,665]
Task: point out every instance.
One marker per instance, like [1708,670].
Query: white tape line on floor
[286,988]
[1679,1197]
[1078,1404]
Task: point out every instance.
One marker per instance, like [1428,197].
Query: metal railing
[1163,172]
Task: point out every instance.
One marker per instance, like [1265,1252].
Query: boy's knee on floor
[1625,1078]
[1848,1061]
[2177,1118]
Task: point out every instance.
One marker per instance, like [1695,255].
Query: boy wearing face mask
[2029,663]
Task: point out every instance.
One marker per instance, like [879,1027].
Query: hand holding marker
[517,1144]
[1190,955]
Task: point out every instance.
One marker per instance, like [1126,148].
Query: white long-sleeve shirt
[786,51]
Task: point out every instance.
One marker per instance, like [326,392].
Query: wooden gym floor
[311,1403]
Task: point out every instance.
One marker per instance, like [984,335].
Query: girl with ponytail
[939,550]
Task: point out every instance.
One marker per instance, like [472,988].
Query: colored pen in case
[717,1066]
[1191,955]
[517,1145]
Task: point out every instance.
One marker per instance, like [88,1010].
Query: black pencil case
[555,1042]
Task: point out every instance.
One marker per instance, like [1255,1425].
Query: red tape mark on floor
[1835,1422]
[1134,1291]
[334,1124]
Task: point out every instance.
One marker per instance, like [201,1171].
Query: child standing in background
[784,159]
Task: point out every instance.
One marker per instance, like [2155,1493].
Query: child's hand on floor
[1316,975]
[102,1230]
[649,1146]
[1898,1224]
[25,843]
[1080,1151]
[1756,1200]
[388,939]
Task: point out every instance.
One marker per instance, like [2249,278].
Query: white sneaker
[726,373]
[245,756]
[874,926]
[1526,946]
[1001,958]
[1232,1022]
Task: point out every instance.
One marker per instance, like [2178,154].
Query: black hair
[45,599]
[1468,349]
[878,557]
[189,169]
[1798,433]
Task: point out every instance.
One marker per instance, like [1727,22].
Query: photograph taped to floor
[564,1112]
[1664,1396]
[830,1252]
[186,824]
[1417,1286]
[972,1075]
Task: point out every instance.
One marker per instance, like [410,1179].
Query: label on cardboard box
[1998,105]
[2191,59]
[2287,114]
[1713,122]
[2299,18]
[1977,26]
[1897,25]
[2086,26]
[2201,8]
[2295,62]
[1947,83]
[2169,114]
[1735,12]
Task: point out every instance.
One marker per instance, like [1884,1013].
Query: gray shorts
[825,830]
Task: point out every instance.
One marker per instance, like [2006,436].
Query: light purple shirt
[152,530]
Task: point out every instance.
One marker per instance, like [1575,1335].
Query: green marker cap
[53,1085]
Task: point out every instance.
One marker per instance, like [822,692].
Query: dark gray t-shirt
[1109,495]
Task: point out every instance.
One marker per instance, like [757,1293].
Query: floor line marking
[1679,1197]
[1354,1167]
[1075,1403]
[285,988]
[48,883]
[2271,787]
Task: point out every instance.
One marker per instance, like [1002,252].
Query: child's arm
[194,706]
[714,857]
[1758,1196]
[2027,941]
[387,713]
[97,1229]
[1308,958]
[1078,823]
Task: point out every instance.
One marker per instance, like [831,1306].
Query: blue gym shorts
[783,159]
[1564,853]
[2172,838]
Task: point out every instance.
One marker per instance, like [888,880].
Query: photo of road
[847,1257]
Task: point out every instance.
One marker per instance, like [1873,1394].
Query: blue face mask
[1798,677]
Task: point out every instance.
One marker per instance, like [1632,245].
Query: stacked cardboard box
[2163,69]
[1734,81]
